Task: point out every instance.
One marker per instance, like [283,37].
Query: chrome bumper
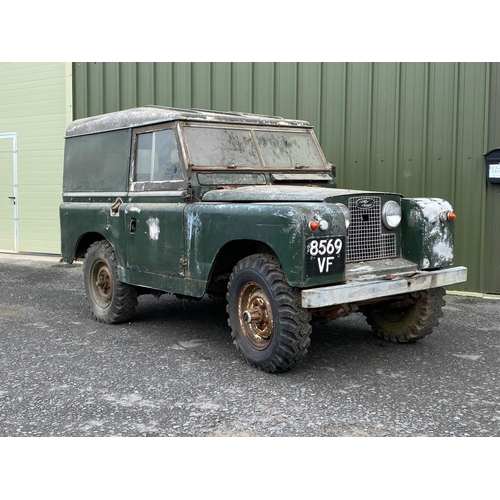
[358,291]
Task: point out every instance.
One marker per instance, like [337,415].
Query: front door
[8,193]
[154,214]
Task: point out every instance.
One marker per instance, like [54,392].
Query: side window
[157,158]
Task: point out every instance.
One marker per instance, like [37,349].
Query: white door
[8,193]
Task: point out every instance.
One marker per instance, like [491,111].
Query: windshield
[288,149]
[241,147]
[221,147]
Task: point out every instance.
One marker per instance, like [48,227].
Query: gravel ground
[173,371]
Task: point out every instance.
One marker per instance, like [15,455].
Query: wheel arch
[85,241]
[228,256]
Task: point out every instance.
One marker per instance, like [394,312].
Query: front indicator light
[391,215]
[314,225]
[322,224]
[447,216]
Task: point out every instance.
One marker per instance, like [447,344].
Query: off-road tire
[277,337]
[410,323]
[109,299]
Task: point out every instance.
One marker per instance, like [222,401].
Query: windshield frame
[252,129]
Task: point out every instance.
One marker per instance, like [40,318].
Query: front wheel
[409,322]
[268,324]
[109,299]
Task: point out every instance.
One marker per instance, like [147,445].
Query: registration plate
[325,255]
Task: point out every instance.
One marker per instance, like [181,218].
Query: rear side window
[97,162]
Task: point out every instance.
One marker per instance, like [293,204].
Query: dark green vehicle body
[184,232]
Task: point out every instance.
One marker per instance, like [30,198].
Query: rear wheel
[269,326]
[109,299]
[410,322]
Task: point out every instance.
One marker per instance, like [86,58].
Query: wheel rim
[101,283]
[255,315]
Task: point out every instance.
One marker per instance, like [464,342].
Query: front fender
[427,240]
[283,227]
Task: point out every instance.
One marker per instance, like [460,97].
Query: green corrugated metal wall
[492,243]
[416,128]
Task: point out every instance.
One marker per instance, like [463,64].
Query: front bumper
[382,286]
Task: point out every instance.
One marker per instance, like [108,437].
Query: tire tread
[124,299]
[295,328]
[427,312]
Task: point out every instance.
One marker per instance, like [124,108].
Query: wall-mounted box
[492,163]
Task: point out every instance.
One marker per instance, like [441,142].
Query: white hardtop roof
[148,115]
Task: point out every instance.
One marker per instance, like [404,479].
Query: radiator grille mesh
[365,240]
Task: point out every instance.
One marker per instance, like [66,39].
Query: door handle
[12,198]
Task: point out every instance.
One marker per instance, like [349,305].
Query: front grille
[365,240]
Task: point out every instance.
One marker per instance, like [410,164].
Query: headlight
[391,215]
[346,213]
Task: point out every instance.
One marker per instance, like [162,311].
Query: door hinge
[188,194]
[184,266]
